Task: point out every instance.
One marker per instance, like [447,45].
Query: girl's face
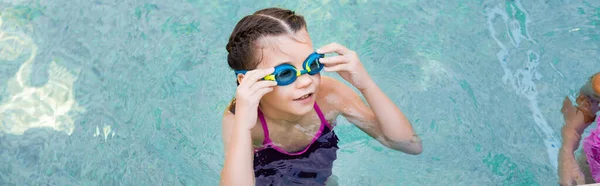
[297,98]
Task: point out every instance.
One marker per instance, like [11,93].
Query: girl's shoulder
[228,122]
[330,97]
[329,85]
[332,91]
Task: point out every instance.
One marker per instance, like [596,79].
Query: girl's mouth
[305,96]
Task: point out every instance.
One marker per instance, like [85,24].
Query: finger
[261,92]
[566,104]
[257,74]
[334,47]
[328,61]
[336,68]
[262,84]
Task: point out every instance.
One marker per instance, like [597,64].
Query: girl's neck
[280,118]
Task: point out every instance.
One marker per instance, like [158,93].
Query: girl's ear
[239,78]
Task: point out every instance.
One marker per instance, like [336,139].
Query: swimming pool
[131,93]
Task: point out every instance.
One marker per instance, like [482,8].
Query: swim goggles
[286,74]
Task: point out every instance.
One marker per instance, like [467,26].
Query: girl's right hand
[249,93]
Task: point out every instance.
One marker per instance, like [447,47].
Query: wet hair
[243,47]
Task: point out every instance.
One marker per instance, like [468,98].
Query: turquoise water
[131,93]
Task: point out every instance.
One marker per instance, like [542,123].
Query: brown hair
[242,46]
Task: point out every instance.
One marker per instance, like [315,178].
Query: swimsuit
[311,166]
[591,147]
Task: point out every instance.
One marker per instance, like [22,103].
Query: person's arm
[569,172]
[238,166]
[575,124]
[580,117]
[383,120]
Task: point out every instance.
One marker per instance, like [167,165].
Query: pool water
[132,92]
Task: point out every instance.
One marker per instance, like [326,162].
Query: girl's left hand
[346,64]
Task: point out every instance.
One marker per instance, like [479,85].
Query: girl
[586,169]
[278,130]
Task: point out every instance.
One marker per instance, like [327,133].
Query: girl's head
[268,38]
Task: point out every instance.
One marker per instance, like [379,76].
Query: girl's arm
[383,120]
[569,172]
[238,167]
[573,128]
[579,118]
[576,120]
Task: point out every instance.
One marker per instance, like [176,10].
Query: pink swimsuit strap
[268,143]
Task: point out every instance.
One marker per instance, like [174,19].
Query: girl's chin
[300,109]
